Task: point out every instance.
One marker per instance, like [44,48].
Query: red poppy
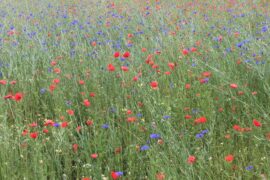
[34,135]
[81,82]
[86,102]
[129,111]
[3,82]
[206,74]
[86,178]
[185,52]
[18,96]
[57,70]
[25,132]
[9,96]
[171,66]
[188,86]
[70,112]
[48,122]
[155,66]
[135,78]
[78,129]
[200,120]
[34,124]
[52,87]
[92,94]
[114,175]
[93,43]
[75,147]
[154,84]
[45,131]
[144,49]
[110,67]
[160,176]
[256,123]
[53,63]
[233,86]
[254,93]
[64,124]
[131,119]
[124,68]
[229,158]
[13,82]
[94,156]
[56,81]
[193,49]
[116,54]
[126,54]
[191,159]
[237,128]
[89,122]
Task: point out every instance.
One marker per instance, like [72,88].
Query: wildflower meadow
[134,89]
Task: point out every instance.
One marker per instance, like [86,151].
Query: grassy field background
[95,89]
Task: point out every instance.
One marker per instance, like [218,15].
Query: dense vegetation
[139,89]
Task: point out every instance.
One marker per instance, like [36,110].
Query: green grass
[51,34]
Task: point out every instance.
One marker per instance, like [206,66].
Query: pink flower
[233,86]
[191,159]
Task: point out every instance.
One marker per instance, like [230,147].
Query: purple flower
[154,136]
[119,173]
[105,126]
[139,115]
[166,117]
[200,135]
[264,28]
[42,91]
[56,125]
[144,147]
[249,168]
[204,131]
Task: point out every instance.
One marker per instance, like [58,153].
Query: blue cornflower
[74,22]
[264,28]
[166,117]
[200,135]
[42,91]
[56,124]
[119,173]
[229,50]
[240,44]
[154,136]
[195,111]
[112,109]
[248,168]
[144,147]
[204,131]
[139,115]
[105,126]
